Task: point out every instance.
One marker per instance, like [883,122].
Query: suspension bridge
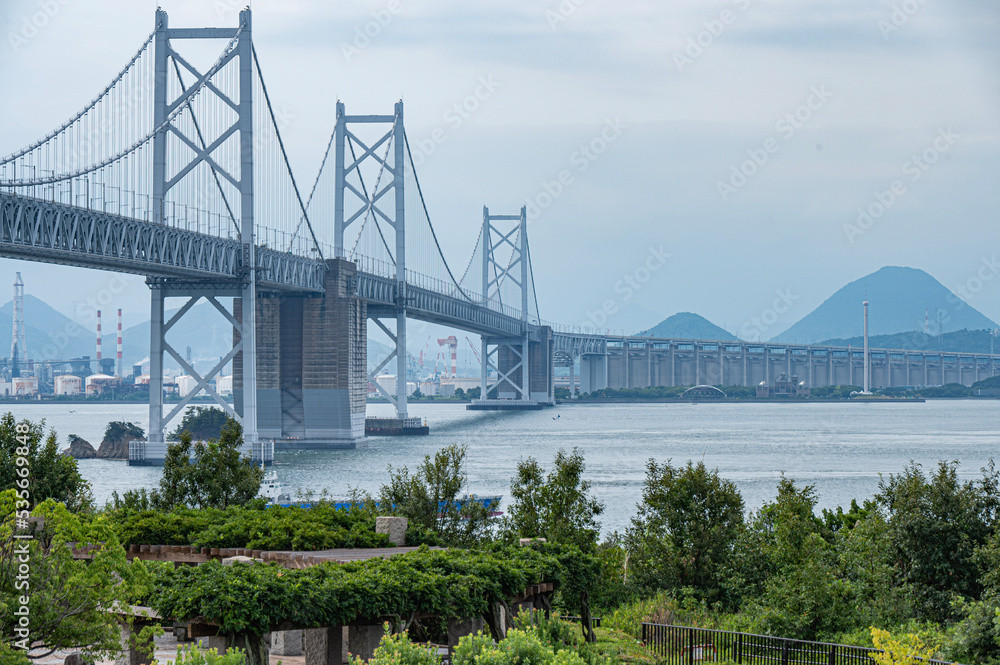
[177,171]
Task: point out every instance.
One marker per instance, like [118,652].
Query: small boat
[270,488]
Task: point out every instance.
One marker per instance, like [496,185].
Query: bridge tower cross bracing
[391,178]
[507,357]
[245,287]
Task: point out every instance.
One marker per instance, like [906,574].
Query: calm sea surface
[839,448]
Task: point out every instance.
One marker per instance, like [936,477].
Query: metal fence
[683,645]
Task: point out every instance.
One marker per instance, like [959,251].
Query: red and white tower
[118,367]
[451,342]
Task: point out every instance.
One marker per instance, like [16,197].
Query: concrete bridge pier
[516,387]
[593,372]
[311,365]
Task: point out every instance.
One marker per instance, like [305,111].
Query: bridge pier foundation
[312,360]
[513,389]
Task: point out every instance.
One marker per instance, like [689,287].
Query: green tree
[936,523]
[436,497]
[773,540]
[866,559]
[68,599]
[557,506]
[203,422]
[218,476]
[49,473]
[792,584]
[686,528]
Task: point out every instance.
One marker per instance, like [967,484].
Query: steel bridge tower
[244,288]
[392,175]
[511,358]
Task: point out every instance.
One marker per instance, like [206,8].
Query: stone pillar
[459,628]
[363,640]
[218,643]
[394,527]
[132,655]
[325,646]
[286,643]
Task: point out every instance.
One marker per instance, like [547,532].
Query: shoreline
[563,402]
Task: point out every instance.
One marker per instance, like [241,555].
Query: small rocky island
[113,446]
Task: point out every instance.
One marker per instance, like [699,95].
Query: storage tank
[68,384]
[185,384]
[97,382]
[224,385]
[24,385]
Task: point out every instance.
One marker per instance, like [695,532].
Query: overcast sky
[832,99]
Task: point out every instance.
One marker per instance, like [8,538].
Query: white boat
[270,488]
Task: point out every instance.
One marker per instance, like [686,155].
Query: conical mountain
[898,299]
[687,325]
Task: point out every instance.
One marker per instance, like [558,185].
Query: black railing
[683,645]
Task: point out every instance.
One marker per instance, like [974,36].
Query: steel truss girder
[428,305]
[37,230]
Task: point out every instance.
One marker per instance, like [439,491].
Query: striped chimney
[118,373]
[98,340]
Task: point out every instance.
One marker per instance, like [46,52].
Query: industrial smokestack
[867,361]
[118,369]
[17,340]
[98,340]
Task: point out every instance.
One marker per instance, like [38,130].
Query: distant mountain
[898,298]
[961,341]
[203,328]
[686,325]
[48,334]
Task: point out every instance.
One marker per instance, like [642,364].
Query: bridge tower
[368,204]
[172,164]
[523,365]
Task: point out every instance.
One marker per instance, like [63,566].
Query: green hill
[899,299]
[686,325]
[961,341]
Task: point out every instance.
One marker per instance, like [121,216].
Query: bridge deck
[37,230]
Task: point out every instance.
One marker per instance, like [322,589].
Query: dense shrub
[253,527]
